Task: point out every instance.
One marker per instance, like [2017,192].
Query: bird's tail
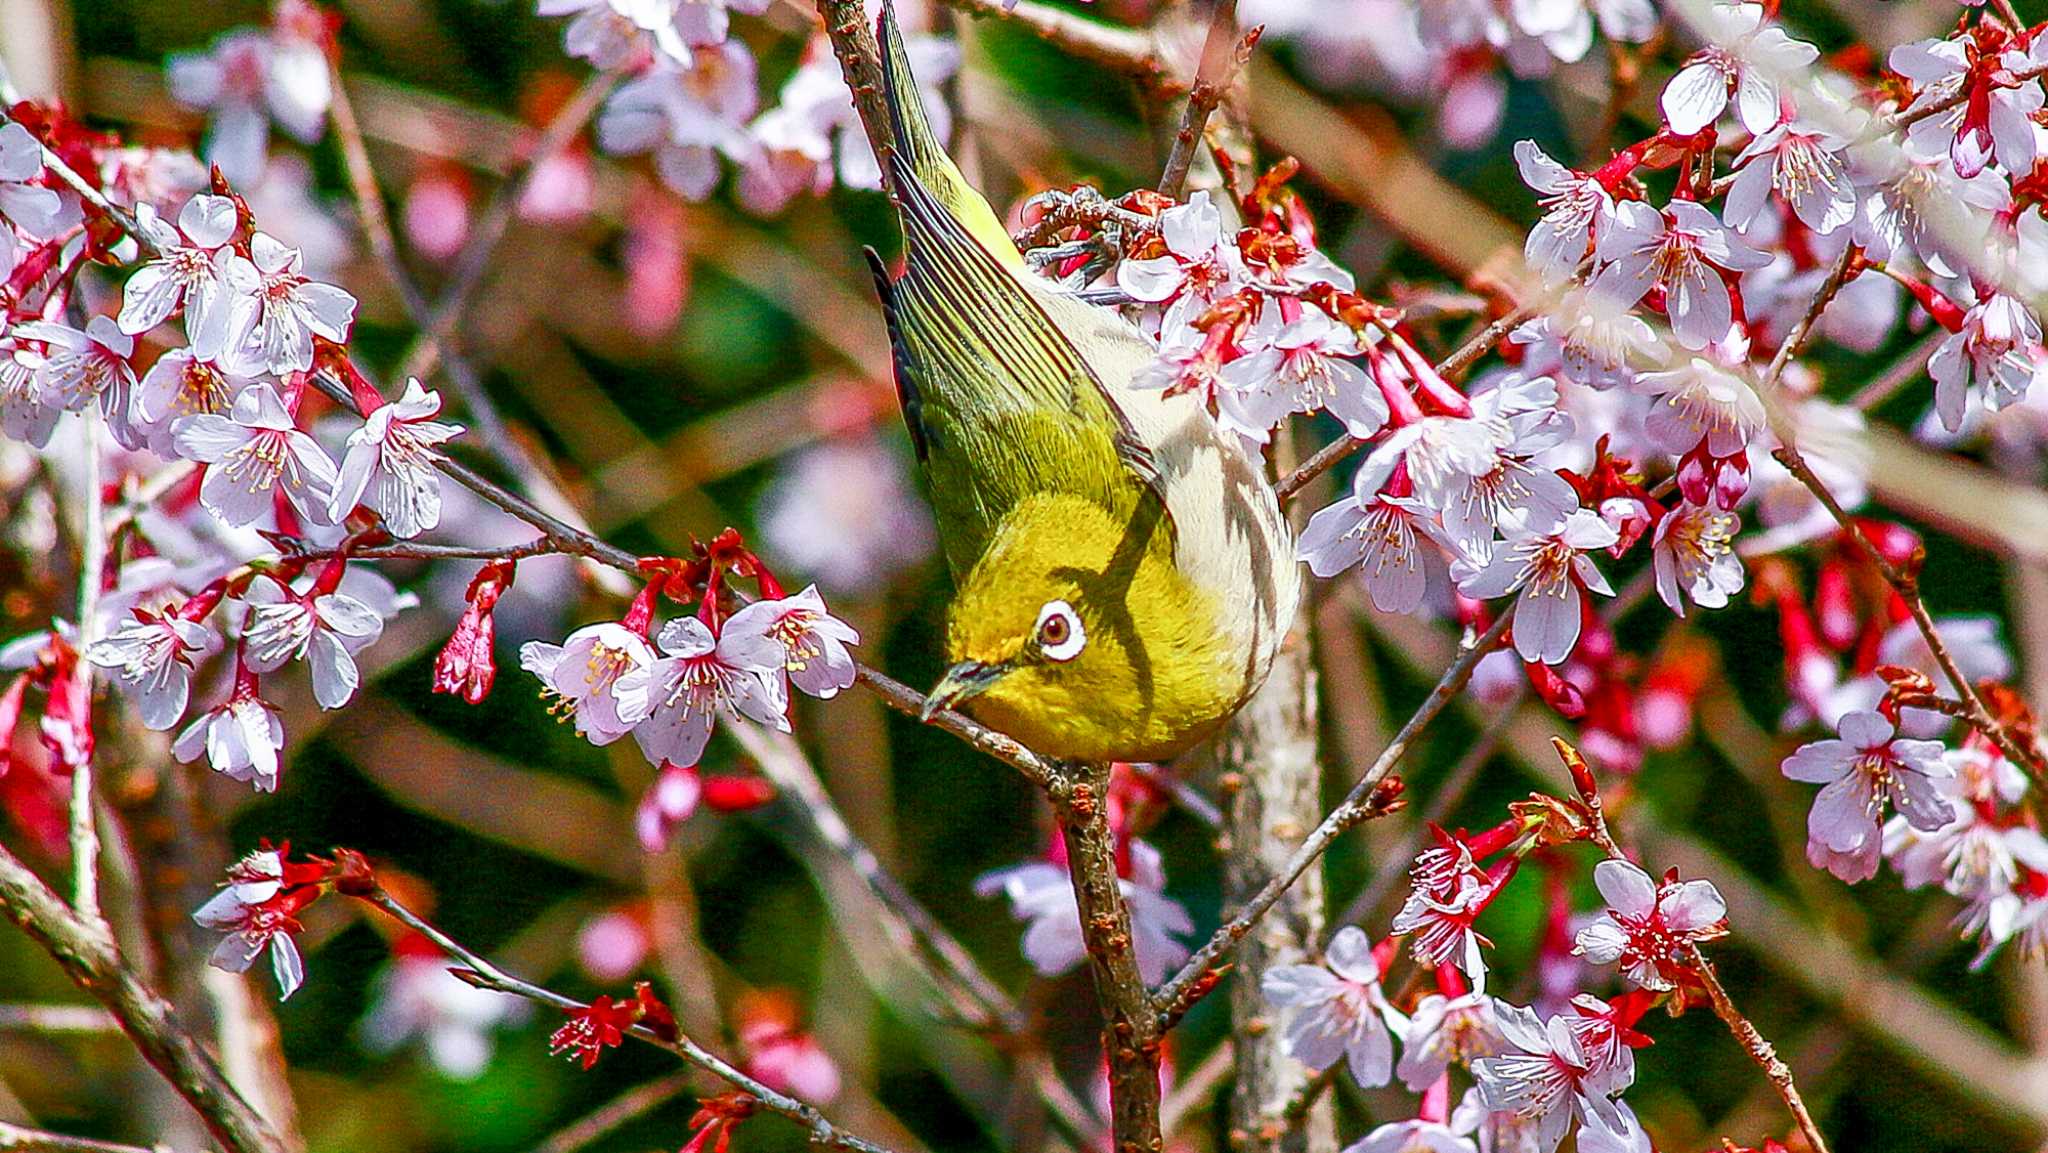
[923,154]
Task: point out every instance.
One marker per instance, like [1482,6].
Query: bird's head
[1081,643]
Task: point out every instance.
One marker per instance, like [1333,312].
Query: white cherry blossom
[1041,894]
[191,270]
[675,700]
[1336,1011]
[813,641]
[1547,570]
[1683,251]
[152,658]
[277,310]
[583,672]
[252,453]
[1744,59]
[389,464]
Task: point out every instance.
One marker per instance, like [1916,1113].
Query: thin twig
[93,962]
[623,1109]
[1463,357]
[84,836]
[485,975]
[1127,50]
[1178,994]
[1905,584]
[1224,54]
[56,1019]
[23,1140]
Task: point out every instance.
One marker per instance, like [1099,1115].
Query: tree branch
[1127,50]
[1224,54]
[1180,993]
[24,1140]
[484,975]
[95,964]
[1130,1029]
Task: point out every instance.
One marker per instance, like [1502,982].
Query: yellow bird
[1124,572]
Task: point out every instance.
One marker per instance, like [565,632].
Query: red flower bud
[466,666]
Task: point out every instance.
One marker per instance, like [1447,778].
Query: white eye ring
[1059,632]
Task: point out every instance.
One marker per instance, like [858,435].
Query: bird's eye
[1060,635]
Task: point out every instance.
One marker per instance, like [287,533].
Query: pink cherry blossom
[1416,1136]
[278,310]
[1447,893]
[675,700]
[1192,273]
[389,464]
[1744,58]
[240,738]
[324,629]
[1648,927]
[1392,541]
[179,385]
[1693,553]
[1041,894]
[1998,123]
[1573,206]
[1337,1010]
[28,206]
[1683,251]
[1997,350]
[1544,1077]
[416,997]
[191,271]
[256,926]
[1303,369]
[1549,572]
[686,115]
[813,641]
[1803,166]
[81,368]
[583,674]
[251,454]
[1443,1031]
[152,658]
[246,80]
[1862,769]
[1701,404]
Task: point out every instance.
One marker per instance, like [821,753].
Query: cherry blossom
[1416,1136]
[1600,342]
[1392,541]
[28,206]
[1693,553]
[843,512]
[1447,894]
[251,77]
[153,658]
[1997,349]
[253,453]
[416,997]
[389,464]
[178,385]
[324,628]
[1545,1077]
[583,674]
[1302,369]
[1995,120]
[241,737]
[686,116]
[257,928]
[1745,58]
[1041,894]
[25,413]
[673,701]
[1548,570]
[190,271]
[1192,271]
[1861,770]
[1648,927]
[272,321]
[1699,404]
[1916,203]
[813,641]
[1337,1010]
[1444,1030]
[1573,205]
[1683,252]
[1804,167]
[81,368]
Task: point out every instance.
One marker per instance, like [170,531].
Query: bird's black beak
[964,680]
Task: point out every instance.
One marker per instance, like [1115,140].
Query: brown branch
[1905,584]
[24,1140]
[485,975]
[94,963]
[1131,1030]
[1224,55]
[56,1019]
[1180,993]
[624,1109]
[1127,50]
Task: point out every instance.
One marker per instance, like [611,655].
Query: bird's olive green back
[999,401]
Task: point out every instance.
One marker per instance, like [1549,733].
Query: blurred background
[679,367]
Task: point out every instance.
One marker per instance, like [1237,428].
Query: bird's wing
[1003,400]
